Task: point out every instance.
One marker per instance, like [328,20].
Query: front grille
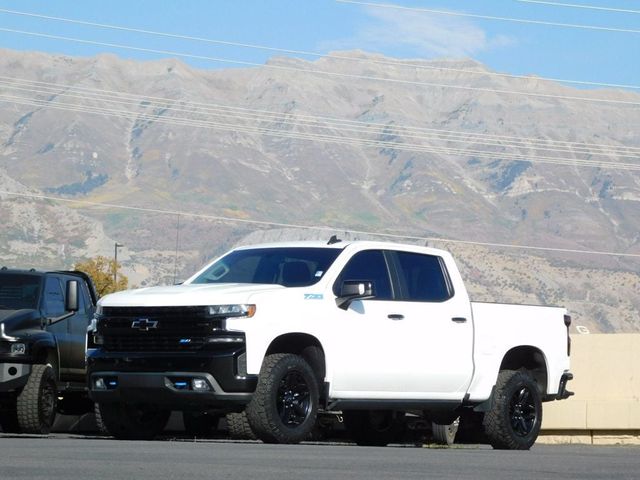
[157,329]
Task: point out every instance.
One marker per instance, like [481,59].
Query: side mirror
[351,290]
[71,304]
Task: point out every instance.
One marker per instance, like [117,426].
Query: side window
[423,277]
[53,298]
[369,265]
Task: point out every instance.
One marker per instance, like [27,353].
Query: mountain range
[179,164]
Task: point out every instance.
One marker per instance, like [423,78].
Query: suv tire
[36,404]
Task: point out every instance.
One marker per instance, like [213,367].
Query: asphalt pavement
[76,457]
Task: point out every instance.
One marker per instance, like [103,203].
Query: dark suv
[44,318]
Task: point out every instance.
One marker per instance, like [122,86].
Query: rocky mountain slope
[346,149]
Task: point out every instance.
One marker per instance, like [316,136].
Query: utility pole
[115,263]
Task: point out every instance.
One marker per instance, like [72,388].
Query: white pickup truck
[282,331]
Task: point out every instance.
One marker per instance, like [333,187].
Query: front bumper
[13,376]
[166,379]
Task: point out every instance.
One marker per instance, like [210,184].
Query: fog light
[18,348]
[199,385]
[99,384]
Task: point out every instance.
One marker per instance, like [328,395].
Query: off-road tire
[284,407]
[445,434]
[513,423]
[200,424]
[36,404]
[133,422]
[376,428]
[239,427]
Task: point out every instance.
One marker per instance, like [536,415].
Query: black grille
[157,329]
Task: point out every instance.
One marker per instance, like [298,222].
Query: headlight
[239,310]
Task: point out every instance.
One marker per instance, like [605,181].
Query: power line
[283,119]
[573,5]
[491,17]
[326,138]
[317,227]
[312,120]
[310,53]
[320,72]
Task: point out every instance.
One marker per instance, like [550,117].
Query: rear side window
[368,265]
[424,277]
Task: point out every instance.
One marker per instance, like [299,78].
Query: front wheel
[284,406]
[36,404]
[133,422]
[513,423]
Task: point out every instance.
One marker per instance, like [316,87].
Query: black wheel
[445,434]
[239,428]
[200,424]
[133,422]
[36,404]
[284,406]
[513,423]
[375,428]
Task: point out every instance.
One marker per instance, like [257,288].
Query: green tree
[101,269]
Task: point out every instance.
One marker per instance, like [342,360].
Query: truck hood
[185,295]
[16,320]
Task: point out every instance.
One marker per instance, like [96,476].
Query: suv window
[423,277]
[19,291]
[368,265]
[53,298]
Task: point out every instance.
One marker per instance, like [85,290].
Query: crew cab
[373,330]
[44,317]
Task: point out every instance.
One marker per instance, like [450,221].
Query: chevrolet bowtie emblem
[144,324]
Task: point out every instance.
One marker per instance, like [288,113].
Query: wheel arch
[529,358]
[305,345]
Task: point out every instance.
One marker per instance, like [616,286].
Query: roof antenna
[333,239]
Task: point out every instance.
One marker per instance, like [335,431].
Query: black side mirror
[351,290]
[71,304]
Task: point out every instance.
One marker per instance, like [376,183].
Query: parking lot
[64,456]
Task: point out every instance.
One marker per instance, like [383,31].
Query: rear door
[412,341]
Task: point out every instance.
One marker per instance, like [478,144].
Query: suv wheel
[36,404]
[513,423]
[284,406]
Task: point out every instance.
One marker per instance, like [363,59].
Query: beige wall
[606,383]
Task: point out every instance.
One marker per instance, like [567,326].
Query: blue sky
[325,25]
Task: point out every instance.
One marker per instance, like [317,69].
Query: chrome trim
[4,336]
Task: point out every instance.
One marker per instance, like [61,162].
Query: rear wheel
[284,406]
[513,423]
[133,422]
[36,404]
[375,428]
[200,424]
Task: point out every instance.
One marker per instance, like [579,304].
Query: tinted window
[53,298]
[423,277]
[291,267]
[369,265]
[19,291]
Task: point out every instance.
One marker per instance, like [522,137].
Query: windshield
[291,267]
[19,291]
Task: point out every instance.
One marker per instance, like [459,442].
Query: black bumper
[167,379]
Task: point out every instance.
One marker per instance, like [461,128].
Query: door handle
[459,319]
[395,316]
